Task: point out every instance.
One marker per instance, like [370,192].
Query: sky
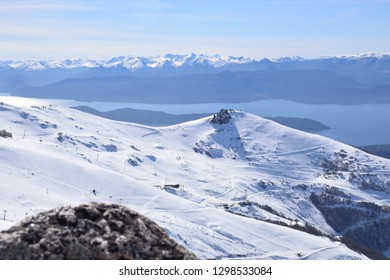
[102,29]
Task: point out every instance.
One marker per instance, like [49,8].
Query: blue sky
[101,29]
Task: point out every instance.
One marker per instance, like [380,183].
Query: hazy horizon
[44,30]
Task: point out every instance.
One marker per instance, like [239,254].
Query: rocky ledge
[222,117]
[88,232]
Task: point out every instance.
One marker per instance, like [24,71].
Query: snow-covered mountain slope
[232,186]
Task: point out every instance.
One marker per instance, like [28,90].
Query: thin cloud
[342,16]
[156,4]
[24,31]
[30,6]
[60,31]
[210,17]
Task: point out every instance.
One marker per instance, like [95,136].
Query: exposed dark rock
[365,225]
[134,161]
[89,231]
[110,148]
[222,117]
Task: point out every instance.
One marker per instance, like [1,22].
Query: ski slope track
[248,188]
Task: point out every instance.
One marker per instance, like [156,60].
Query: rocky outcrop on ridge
[222,117]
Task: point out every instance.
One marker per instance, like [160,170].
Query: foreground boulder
[89,231]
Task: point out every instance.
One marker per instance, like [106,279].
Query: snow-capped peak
[135,63]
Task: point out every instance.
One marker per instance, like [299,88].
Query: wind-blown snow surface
[227,174]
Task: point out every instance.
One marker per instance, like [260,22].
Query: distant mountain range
[193,63]
[202,78]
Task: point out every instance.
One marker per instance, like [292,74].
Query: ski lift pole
[5,213]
